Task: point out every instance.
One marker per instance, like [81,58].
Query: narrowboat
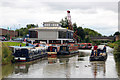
[52,50]
[68,49]
[28,53]
[98,55]
[85,46]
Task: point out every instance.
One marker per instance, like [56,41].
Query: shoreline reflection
[98,68]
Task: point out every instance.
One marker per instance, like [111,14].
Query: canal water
[72,66]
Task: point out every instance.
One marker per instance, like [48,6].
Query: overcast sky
[100,15]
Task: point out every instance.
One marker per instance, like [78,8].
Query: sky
[99,15]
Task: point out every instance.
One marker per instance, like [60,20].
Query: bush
[6,54]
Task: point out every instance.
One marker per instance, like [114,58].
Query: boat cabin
[28,53]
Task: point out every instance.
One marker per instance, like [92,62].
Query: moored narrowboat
[68,49]
[85,45]
[27,53]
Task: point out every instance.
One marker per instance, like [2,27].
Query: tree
[87,40]
[81,33]
[91,32]
[111,35]
[64,23]
[74,26]
[7,36]
[31,26]
[24,31]
[117,33]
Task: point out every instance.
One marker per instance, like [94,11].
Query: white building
[52,32]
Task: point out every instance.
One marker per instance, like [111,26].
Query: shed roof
[50,28]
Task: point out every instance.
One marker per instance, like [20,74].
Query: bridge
[100,38]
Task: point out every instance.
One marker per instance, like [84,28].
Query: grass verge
[6,52]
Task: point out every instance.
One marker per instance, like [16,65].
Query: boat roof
[21,47]
[27,47]
[40,47]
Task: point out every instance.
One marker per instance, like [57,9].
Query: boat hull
[51,53]
[84,48]
[98,58]
[25,54]
[68,49]
[28,59]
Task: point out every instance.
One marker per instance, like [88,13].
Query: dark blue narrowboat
[27,53]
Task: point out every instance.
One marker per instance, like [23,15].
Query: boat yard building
[52,32]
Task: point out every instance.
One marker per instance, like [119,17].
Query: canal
[74,66]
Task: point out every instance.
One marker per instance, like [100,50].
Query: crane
[75,36]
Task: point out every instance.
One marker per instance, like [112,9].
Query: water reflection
[80,59]
[52,59]
[98,68]
[70,66]
[118,68]
[61,68]
[81,56]
[64,60]
[21,68]
[7,69]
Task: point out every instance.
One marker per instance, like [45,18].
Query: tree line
[84,34]
[22,32]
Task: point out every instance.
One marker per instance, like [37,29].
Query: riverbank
[0,60]
[114,44]
[116,52]
[6,53]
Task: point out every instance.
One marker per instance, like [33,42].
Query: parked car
[2,38]
[18,39]
[27,40]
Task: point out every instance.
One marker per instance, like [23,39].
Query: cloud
[83,5]
[94,15]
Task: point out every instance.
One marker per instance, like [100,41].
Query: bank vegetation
[6,53]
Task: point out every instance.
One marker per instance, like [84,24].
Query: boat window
[64,48]
[82,45]
[75,45]
[18,51]
[21,52]
[36,52]
[53,49]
